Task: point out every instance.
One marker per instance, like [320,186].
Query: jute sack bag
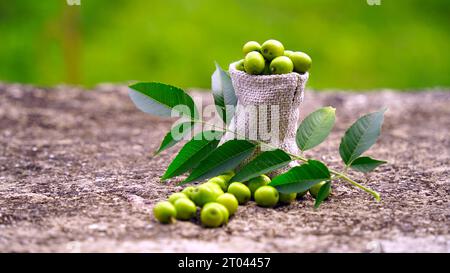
[268,110]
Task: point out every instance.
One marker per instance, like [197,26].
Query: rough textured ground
[76,175]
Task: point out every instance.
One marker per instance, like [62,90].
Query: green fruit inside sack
[254,63]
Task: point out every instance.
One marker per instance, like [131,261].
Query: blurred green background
[401,44]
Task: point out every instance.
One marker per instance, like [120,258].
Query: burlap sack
[259,99]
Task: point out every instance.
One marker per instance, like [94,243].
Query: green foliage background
[400,44]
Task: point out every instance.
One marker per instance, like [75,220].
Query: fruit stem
[337,175]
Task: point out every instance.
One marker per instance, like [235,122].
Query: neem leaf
[175,135]
[223,93]
[366,164]
[361,136]
[160,99]
[263,163]
[322,194]
[301,178]
[315,128]
[200,146]
[226,157]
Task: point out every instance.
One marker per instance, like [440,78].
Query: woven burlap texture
[261,99]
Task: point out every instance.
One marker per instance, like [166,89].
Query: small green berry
[175,196]
[302,62]
[266,196]
[164,212]
[239,65]
[288,53]
[203,194]
[259,181]
[287,198]
[211,216]
[185,208]
[271,49]
[314,190]
[251,46]
[229,201]
[188,191]
[215,187]
[254,63]
[223,209]
[240,191]
[281,65]
[220,181]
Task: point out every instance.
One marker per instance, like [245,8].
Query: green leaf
[301,178]
[199,147]
[315,128]
[366,164]
[361,136]
[160,99]
[226,157]
[322,194]
[175,135]
[223,93]
[263,163]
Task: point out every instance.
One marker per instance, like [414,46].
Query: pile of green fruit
[219,199]
[271,58]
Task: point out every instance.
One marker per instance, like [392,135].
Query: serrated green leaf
[226,157]
[160,99]
[223,93]
[361,136]
[265,162]
[175,135]
[199,147]
[315,128]
[301,178]
[366,164]
[322,194]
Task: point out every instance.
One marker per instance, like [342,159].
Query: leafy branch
[203,158]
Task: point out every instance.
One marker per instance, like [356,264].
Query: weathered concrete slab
[76,175]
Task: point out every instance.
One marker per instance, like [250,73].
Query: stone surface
[77,174]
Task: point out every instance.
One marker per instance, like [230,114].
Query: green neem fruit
[204,194]
[288,53]
[240,65]
[164,212]
[271,49]
[185,208]
[314,190]
[254,63]
[266,196]
[175,196]
[302,62]
[301,194]
[287,198]
[215,187]
[281,65]
[223,209]
[240,191]
[188,191]
[254,183]
[251,46]
[229,201]
[211,216]
[220,181]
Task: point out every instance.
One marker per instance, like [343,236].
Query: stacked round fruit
[271,58]
[219,199]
